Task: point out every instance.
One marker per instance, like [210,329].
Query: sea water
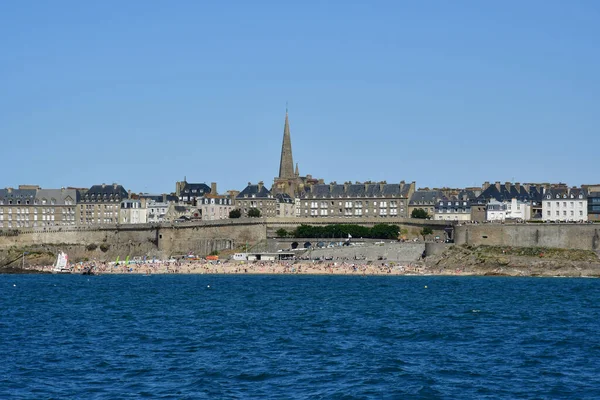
[298,337]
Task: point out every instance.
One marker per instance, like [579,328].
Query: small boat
[61,266]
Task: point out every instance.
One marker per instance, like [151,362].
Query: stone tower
[286,165]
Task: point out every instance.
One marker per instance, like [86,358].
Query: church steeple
[286,165]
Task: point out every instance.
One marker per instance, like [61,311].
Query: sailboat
[62,263]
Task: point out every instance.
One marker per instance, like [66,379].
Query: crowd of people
[242,267]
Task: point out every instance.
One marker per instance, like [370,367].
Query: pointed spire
[297,173]
[286,165]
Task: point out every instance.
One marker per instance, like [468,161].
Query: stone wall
[566,236]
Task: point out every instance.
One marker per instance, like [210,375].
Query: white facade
[132,212]
[511,210]
[214,208]
[156,211]
[564,208]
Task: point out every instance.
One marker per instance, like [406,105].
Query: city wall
[568,236]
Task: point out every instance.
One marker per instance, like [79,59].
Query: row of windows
[564,204]
[564,213]
[35,202]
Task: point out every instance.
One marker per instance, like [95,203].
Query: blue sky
[442,93]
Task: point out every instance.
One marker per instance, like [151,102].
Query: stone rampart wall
[567,236]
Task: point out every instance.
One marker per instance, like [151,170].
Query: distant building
[286,206]
[510,201]
[188,193]
[375,200]
[101,205]
[453,208]
[565,205]
[214,207]
[29,206]
[259,197]
[594,206]
[132,212]
[424,199]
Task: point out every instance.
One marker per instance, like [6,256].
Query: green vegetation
[104,247]
[237,213]
[379,231]
[214,253]
[254,213]
[91,247]
[419,213]
[426,231]
[281,233]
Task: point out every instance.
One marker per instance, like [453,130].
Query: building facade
[565,205]
[132,212]
[259,197]
[374,200]
[101,205]
[33,207]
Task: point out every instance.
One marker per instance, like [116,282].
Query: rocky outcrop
[514,261]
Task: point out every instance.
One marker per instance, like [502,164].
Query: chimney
[331,185]
[518,187]
[213,188]
[366,187]
[485,185]
[103,185]
[115,186]
[497,184]
[507,185]
[260,185]
[249,183]
[128,193]
[9,190]
[164,198]
[346,185]
[381,185]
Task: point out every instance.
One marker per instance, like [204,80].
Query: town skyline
[451,95]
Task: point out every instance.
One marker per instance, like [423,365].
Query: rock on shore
[514,261]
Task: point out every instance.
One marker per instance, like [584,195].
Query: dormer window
[581,196]
[558,196]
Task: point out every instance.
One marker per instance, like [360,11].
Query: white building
[565,205]
[513,209]
[156,211]
[132,212]
[214,207]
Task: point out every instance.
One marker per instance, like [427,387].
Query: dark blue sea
[298,337]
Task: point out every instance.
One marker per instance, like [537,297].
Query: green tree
[419,213]
[236,213]
[426,231]
[281,233]
[254,213]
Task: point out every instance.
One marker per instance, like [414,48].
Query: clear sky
[443,93]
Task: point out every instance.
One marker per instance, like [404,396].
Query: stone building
[213,207]
[453,208]
[424,199]
[101,205]
[289,180]
[259,197]
[374,200]
[188,193]
[30,206]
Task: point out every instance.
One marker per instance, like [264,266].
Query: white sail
[62,262]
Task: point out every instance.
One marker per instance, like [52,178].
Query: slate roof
[23,195]
[565,193]
[195,189]
[512,192]
[283,198]
[357,190]
[256,190]
[425,197]
[106,193]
